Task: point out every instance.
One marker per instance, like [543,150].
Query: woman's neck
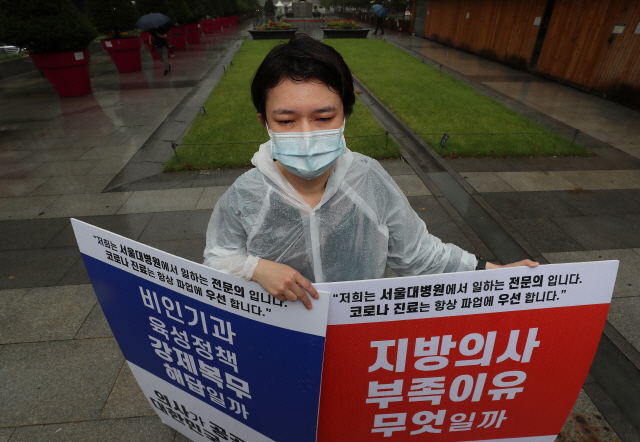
[311,190]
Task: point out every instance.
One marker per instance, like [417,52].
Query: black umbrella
[153,20]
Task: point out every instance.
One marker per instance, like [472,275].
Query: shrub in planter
[198,12]
[57,35]
[343,25]
[114,17]
[274,26]
[273,30]
[180,17]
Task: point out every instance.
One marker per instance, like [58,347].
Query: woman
[312,210]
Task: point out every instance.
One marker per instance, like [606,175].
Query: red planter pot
[207,26]
[145,38]
[125,53]
[178,38]
[233,20]
[225,22]
[68,72]
[217,24]
[194,32]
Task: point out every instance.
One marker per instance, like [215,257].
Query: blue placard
[265,376]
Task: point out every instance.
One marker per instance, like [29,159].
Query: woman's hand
[523,263]
[283,282]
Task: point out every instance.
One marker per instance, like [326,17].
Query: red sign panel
[511,372]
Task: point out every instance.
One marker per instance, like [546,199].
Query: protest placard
[216,356]
[471,356]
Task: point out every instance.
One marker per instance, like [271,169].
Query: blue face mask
[307,154]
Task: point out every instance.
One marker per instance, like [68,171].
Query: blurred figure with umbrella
[159,39]
[381,13]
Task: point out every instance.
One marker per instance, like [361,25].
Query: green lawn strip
[4,57]
[231,118]
[433,103]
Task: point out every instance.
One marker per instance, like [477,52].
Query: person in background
[379,22]
[159,39]
[312,210]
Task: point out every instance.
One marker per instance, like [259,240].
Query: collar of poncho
[265,164]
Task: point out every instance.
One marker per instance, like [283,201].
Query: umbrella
[379,10]
[153,20]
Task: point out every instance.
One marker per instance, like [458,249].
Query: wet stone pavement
[62,376]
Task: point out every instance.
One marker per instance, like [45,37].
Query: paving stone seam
[611,412]
[42,424]
[88,314]
[512,231]
[623,345]
[112,387]
[153,139]
[56,340]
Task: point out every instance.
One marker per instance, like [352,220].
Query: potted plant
[273,30]
[344,29]
[180,16]
[114,17]
[57,36]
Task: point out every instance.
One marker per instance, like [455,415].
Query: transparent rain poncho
[362,224]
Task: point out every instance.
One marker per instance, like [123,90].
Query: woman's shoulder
[364,166]
[250,181]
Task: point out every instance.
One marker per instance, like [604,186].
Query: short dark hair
[303,58]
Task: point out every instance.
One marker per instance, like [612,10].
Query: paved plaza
[98,158]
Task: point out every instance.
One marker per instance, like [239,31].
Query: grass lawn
[431,103]
[4,57]
[231,118]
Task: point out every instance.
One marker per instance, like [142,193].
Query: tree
[198,9]
[112,16]
[145,7]
[179,12]
[44,26]
[269,7]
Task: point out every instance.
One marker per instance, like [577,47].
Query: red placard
[512,374]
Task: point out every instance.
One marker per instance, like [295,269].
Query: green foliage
[198,9]
[145,7]
[231,118]
[212,8]
[112,16]
[434,103]
[4,57]
[269,7]
[274,26]
[179,12]
[45,26]
[343,25]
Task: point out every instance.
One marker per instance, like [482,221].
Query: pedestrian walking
[381,13]
[159,39]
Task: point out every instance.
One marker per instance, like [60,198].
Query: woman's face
[302,106]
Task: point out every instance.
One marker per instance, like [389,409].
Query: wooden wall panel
[580,49]
[577,50]
[497,29]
